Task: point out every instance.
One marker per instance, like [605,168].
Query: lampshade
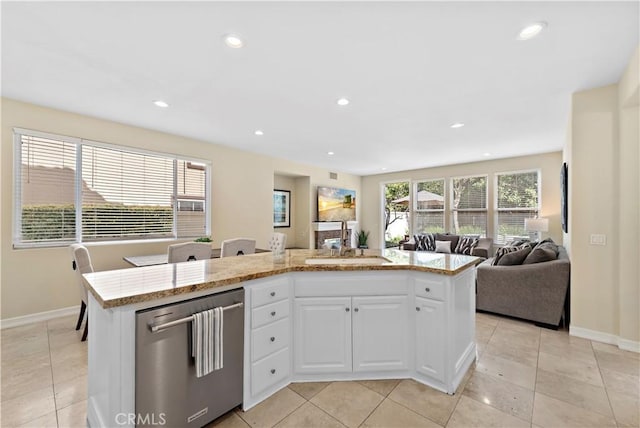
[536,224]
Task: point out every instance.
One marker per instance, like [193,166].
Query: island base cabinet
[322,329]
[430,338]
[380,333]
[345,334]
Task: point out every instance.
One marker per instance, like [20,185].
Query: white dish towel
[207,345]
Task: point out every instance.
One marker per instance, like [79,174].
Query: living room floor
[525,376]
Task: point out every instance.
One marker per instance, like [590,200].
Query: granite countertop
[135,285]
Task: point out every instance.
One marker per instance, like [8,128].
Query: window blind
[70,190]
[429,199]
[517,198]
[125,194]
[46,190]
[469,205]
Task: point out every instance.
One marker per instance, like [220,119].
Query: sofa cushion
[515,257]
[425,242]
[448,237]
[443,246]
[500,252]
[542,253]
[466,244]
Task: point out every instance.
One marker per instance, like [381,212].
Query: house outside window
[517,198]
[429,200]
[72,190]
[469,205]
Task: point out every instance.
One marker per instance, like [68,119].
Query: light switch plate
[597,239]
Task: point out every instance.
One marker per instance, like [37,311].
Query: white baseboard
[38,317]
[598,336]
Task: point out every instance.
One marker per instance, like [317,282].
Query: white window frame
[79,143]
[479,210]
[497,210]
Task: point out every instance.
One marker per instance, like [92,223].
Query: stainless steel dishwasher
[168,392]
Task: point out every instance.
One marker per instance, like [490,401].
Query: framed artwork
[281,208]
[564,201]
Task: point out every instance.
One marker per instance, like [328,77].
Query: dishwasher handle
[158,327]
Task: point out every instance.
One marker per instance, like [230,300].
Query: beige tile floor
[525,376]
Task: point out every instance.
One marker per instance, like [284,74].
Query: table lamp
[536,225]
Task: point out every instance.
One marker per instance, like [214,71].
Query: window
[517,198]
[73,190]
[396,212]
[428,197]
[469,205]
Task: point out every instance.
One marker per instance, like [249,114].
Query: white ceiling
[410,70]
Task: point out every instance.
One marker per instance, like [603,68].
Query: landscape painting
[336,204]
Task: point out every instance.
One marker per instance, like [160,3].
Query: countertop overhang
[143,284]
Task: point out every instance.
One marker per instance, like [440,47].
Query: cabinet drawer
[430,289]
[269,313]
[269,292]
[270,338]
[269,371]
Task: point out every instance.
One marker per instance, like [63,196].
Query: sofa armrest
[410,245]
[483,249]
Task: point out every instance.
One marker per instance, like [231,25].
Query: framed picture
[281,208]
[564,201]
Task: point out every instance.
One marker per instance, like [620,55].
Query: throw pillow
[505,250]
[448,237]
[540,254]
[515,257]
[425,242]
[443,246]
[466,244]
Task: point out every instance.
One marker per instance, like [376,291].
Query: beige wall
[549,165]
[282,182]
[603,163]
[38,280]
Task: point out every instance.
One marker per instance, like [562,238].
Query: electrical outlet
[597,239]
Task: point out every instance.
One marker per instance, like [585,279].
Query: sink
[346,261]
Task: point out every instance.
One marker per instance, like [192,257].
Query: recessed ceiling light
[531,30]
[457,125]
[233,41]
[342,101]
[487,154]
[384,169]
[330,153]
[259,132]
[161,103]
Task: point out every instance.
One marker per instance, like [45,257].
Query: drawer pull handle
[347,309]
[273,371]
[427,289]
[273,339]
[417,308]
[355,309]
[273,314]
[273,293]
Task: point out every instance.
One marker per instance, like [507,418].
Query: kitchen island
[309,317]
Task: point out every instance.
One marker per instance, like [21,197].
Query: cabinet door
[322,328]
[380,333]
[430,338]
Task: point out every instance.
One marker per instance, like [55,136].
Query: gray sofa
[483,249]
[536,292]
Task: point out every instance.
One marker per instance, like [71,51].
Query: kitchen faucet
[345,245]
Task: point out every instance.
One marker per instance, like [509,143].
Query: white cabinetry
[430,338]
[322,334]
[346,330]
[267,344]
[380,333]
[444,328]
